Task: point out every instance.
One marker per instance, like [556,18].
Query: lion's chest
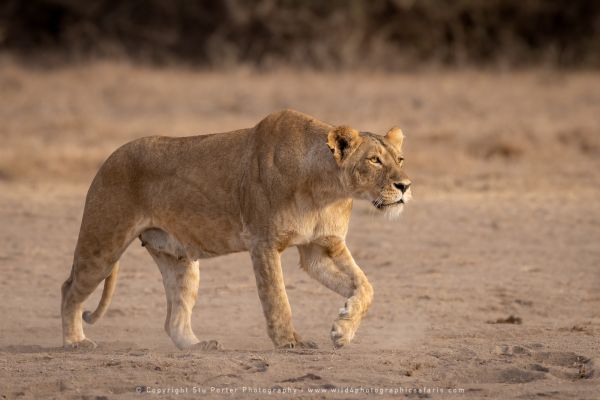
[303,226]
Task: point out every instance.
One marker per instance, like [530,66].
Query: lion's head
[372,167]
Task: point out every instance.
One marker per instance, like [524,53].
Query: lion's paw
[82,344]
[342,332]
[298,343]
[303,344]
[206,345]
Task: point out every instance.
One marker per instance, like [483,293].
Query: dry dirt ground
[487,287]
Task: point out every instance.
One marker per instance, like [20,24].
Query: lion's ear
[342,142]
[395,136]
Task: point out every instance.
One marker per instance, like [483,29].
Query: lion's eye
[400,161]
[375,160]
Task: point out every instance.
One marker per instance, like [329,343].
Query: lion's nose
[402,186]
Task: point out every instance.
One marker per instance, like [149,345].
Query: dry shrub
[498,146]
[385,34]
[584,141]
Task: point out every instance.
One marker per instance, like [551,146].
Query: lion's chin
[392,210]
[383,206]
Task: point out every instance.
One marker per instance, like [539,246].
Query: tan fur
[288,181]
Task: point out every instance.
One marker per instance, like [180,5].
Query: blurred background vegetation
[382,34]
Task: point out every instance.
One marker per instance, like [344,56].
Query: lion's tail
[109,288]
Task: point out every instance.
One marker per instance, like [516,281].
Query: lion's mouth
[382,206]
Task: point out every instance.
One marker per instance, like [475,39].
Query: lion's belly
[207,243]
[183,246]
[199,235]
[211,248]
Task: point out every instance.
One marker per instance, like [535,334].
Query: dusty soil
[488,285]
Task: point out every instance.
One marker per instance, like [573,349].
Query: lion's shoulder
[291,120]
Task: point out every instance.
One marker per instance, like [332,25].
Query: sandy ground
[504,227]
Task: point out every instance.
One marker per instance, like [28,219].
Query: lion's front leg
[332,264]
[350,316]
[274,300]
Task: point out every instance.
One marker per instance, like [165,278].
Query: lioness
[288,181]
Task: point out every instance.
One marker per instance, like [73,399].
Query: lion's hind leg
[181,278]
[85,277]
